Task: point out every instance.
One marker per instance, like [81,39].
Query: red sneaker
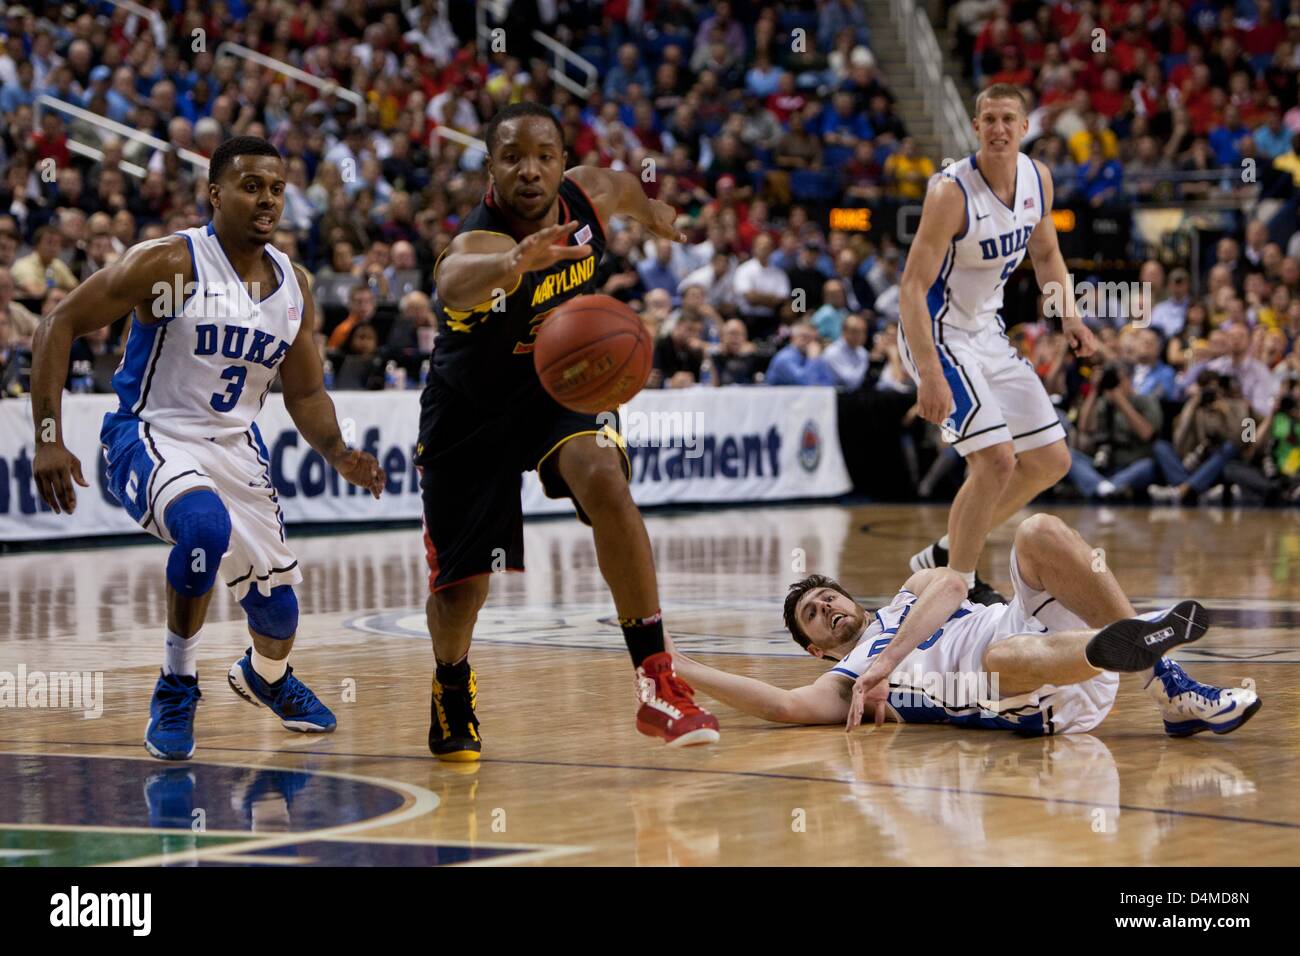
[668,707]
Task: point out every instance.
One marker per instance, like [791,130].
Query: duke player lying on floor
[184,456]
[1046,663]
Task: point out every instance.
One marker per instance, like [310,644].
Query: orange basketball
[593,354]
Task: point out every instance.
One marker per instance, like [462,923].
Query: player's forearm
[1054,279]
[933,607]
[916,329]
[630,198]
[468,279]
[51,346]
[747,695]
[317,422]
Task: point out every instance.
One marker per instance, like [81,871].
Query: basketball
[593,354]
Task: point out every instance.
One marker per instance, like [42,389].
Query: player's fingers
[76,472]
[550,232]
[63,490]
[45,489]
[572,252]
[880,713]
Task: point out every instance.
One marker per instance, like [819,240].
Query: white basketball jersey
[968,291]
[205,371]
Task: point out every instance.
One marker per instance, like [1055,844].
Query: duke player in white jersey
[980,218]
[1046,663]
[217,313]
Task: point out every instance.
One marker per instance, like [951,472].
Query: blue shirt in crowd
[791,367]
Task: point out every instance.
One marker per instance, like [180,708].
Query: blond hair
[1002,91]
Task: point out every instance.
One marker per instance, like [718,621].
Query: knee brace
[200,525]
[275,616]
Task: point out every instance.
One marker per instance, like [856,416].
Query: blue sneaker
[170,734]
[1189,707]
[289,698]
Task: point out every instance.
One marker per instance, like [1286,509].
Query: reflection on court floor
[566,779]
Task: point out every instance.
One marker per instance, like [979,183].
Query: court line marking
[422,802]
[530,851]
[758,774]
[560,849]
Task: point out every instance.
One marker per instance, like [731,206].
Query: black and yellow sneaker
[453,725]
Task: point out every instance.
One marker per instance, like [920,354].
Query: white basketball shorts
[149,469]
[997,396]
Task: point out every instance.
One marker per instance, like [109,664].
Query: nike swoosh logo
[985,216]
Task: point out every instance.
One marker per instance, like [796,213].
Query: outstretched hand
[55,469]
[1080,337]
[662,221]
[548,246]
[361,469]
[870,690]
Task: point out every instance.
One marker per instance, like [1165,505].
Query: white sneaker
[1164,494]
[931,556]
[1106,489]
[1189,707]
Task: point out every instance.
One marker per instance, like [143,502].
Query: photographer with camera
[1270,466]
[1116,429]
[1207,435]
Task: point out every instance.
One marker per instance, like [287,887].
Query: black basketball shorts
[471,477]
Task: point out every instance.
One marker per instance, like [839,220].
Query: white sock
[267,669]
[943,542]
[969,578]
[181,654]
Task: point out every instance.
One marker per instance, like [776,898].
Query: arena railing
[229,48]
[118,129]
[456,136]
[563,55]
[90,152]
[942,99]
[156,23]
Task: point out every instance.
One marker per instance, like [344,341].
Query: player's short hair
[797,591]
[225,154]
[515,111]
[1002,91]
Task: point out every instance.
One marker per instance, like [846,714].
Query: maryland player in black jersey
[532,244]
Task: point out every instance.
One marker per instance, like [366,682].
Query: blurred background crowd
[754,136]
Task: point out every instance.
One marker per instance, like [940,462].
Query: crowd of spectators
[750,136]
[1147,100]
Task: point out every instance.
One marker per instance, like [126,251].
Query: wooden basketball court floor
[566,779]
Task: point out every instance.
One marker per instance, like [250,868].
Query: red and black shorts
[471,477]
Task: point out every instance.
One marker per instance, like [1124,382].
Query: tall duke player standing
[532,244]
[183,454]
[980,217]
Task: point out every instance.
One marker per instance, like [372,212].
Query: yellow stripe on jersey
[456,317]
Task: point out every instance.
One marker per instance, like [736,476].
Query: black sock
[453,674]
[644,636]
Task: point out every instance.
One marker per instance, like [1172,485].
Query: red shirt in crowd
[1109,103]
[783,104]
[1263,38]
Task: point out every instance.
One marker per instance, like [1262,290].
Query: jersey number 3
[235,375]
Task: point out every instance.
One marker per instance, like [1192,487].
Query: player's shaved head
[492,132]
[224,156]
